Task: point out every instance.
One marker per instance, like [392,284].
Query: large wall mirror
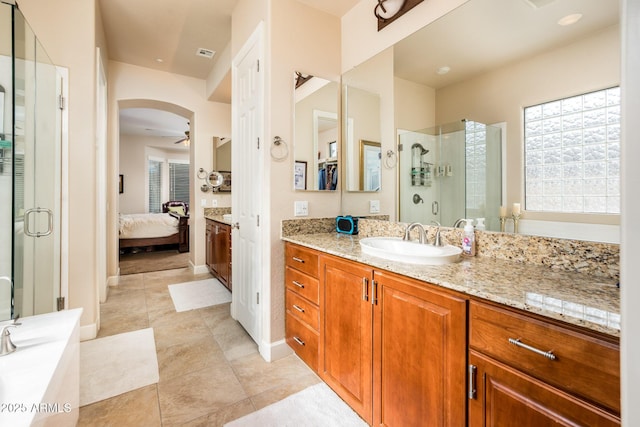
[316,148]
[485,62]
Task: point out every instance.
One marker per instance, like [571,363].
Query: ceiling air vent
[537,4]
[206,53]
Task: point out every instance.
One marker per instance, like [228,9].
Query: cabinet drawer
[302,309]
[302,284]
[303,340]
[303,259]
[583,365]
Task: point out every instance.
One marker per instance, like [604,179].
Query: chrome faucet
[437,241]
[422,236]
[6,346]
[459,222]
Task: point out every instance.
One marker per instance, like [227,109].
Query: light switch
[214,203]
[374,206]
[203,203]
[300,208]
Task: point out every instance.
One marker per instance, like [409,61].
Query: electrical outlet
[300,208]
[214,203]
[374,206]
[203,203]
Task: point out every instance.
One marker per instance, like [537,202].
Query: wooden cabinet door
[506,397]
[222,253]
[346,332]
[419,354]
[209,249]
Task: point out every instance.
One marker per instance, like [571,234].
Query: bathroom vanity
[478,342]
[218,248]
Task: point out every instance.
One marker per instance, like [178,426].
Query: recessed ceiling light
[570,19]
[443,70]
[159,60]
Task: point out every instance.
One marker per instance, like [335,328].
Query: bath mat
[315,406]
[198,294]
[117,364]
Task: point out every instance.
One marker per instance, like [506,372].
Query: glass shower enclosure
[30,171]
[450,172]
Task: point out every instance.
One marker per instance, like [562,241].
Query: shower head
[423,150]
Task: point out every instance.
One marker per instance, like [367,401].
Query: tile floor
[210,369]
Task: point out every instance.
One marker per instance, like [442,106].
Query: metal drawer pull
[297,307]
[298,340]
[548,354]
[365,287]
[298,284]
[298,259]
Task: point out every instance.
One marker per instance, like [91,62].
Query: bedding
[144,226]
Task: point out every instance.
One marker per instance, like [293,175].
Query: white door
[246,195]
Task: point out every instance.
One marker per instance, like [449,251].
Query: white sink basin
[396,249]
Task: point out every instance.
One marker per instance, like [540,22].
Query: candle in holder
[503,211]
[516,209]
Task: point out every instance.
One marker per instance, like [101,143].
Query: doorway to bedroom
[154,169]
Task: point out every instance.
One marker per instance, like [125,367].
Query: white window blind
[155,186]
[572,154]
[179,181]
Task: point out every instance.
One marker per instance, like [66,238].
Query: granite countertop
[218,218]
[576,298]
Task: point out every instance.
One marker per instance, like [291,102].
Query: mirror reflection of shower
[453,171]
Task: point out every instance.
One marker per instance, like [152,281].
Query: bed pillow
[177,209]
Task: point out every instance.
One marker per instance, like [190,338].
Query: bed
[171,227]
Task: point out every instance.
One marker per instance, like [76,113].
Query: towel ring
[279,149]
[390,160]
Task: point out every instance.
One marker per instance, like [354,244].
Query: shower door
[34,137]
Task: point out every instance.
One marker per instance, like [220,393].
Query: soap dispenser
[468,239]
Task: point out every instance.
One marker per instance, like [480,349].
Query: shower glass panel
[32,160]
[449,172]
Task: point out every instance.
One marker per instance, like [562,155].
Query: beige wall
[501,95]
[184,96]
[68,32]
[134,153]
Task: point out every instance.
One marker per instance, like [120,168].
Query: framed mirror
[370,166]
[316,139]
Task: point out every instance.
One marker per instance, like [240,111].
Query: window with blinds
[179,181]
[155,186]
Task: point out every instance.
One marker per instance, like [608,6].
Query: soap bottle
[468,239]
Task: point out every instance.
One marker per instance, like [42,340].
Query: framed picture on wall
[333,150]
[300,175]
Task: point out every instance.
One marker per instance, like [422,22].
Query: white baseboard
[113,280]
[198,269]
[88,332]
[275,350]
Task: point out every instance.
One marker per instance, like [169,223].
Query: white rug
[117,364]
[316,406]
[199,294]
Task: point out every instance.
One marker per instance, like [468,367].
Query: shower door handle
[435,208]
[27,215]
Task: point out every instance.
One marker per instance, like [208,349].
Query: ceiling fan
[184,141]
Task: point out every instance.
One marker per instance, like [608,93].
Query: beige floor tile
[130,281]
[190,396]
[257,376]
[125,301]
[236,342]
[117,323]
[138,408]
[218,318]
[280,392]
[189,357]
[224,415]
[179,328]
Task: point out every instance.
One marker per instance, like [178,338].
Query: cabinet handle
[548,354]
[374,293]
[298,259]
[297,307]
[298,340]
[365,288]
[298,284]
[472,382]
